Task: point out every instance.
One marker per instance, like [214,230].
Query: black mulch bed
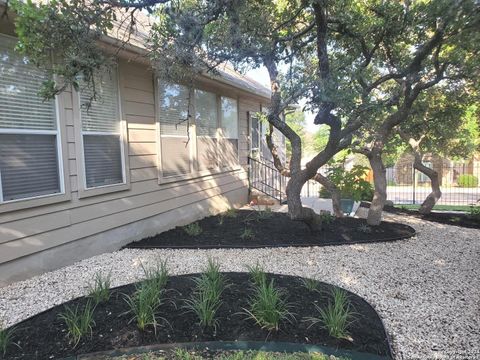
[448,218]
[44,336]
[273,230]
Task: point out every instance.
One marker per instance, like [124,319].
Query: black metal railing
[264,177]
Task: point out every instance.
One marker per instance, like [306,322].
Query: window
[30,159]
[206,124]
[101,133]
[229,122]
[198,132]
[254,135]
[174,129]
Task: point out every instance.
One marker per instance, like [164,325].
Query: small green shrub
[265,214]
[100,289]
[193,229]
[6,339]
[79,323]
[327,218]
[391,183]
[310,284]
[206,298]
[157,276]
[467,180]
[351,184]
[364,228]
[144,305]
[231,213]
[268,307]
[247,234]
[474,212]
[336,316]
[257,274]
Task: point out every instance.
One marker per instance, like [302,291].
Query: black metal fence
[460,184]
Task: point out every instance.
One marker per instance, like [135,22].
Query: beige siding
[33,234]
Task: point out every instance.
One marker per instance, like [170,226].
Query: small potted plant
[351,184]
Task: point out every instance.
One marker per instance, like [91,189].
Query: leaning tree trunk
[380,183]
[436,193]
[334,193]
[296,210]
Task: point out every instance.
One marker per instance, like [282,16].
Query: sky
[261,75]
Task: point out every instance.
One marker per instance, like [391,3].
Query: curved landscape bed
[45,335]
[256,229]
[444,217]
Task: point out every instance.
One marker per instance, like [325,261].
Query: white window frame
[84,190]
[257,149]
[192,145]
[195,172]
[59,132]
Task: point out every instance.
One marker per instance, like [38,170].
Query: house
[78,181]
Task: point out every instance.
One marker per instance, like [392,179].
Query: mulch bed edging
[215,347]
[276,230]
[443,217]
[44,335]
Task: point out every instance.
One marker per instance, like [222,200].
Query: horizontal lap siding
[33,230]
[14,249]
[138,106]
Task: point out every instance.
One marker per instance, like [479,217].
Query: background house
[448,170]
[75,182]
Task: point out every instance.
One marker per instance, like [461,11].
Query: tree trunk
[436,193]
[334,193]
[380,182]
[296,210]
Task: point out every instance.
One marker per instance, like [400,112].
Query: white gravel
[426,289]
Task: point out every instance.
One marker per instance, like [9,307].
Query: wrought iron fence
[264,177]
[460,184]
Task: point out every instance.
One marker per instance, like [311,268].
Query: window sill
[198,174]
[107,189]
[28,203]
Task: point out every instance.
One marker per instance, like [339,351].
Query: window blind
[205,113]
[101,114]
[229,145]
[103,155]
[229,118]
[175,156]
[255,133]
[173,111]
[28,166]
[101,133]
[207,153]
[20,82]
[29,158]
[174,122]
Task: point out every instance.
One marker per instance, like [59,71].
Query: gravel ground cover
[426,288]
